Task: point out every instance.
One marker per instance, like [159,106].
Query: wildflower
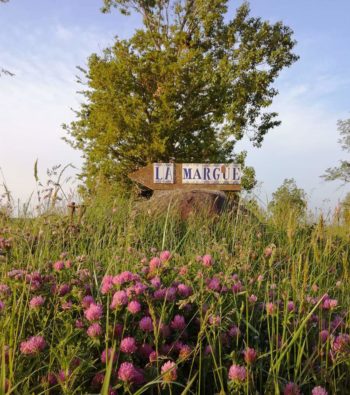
[107,355]
[291,389]
[139,288]
[33,345]
[58,266]
[214,320]
[144,260]
[250,355]
[167,348]
[156,283]
[94,330]
[118,329]
[63,375]
[237,287]
[329,304]
[120,298]
[170,295]
[17,274]
[214,284]
[67,305]
[314,287]
[208,350]
[207,260]
[154,264]
[237,373]
[268,251]
[290,306]
[159,294]
[252,298]
[153,356]
[75,362]
[79,324]
[51,379]
[178,323]
[260,278]
[124,277]
[87,300]
[184,290]
[319,391]
[134,307]
[183,271]
[165,330]
[63,289]
[97,380]
[107,284]
[2,305]
[145,350]
[234,331]
[127,372]
[270,308]
[185,351]
[341,343]
[5,290]
[169,372]
[68,264]
[337,322]
[324,336]
[93,312]
[139,377]
[128,345]
[165,256]
[146,324]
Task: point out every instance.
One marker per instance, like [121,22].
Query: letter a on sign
[163,173]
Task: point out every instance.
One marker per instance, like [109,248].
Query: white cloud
[304,145]
[38,99]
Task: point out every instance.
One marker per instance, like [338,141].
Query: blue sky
[43,41]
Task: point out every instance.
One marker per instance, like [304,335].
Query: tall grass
[290,266]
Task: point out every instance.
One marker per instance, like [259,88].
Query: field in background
[128,302]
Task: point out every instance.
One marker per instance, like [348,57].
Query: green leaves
[342,172]
[187,86]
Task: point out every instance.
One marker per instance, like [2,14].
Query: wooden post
[72,207]
[81,211]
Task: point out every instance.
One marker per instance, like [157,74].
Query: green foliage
[342,172]
[288,203]
[345,210]
[112,238]
[187,86]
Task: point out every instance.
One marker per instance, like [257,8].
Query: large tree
[186,86]
[288,200]
[341,172]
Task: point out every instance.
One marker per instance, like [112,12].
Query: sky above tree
[42,43]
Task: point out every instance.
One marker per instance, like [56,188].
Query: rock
[186,203]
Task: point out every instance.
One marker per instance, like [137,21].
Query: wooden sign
[189,176]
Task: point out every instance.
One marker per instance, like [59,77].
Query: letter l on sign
[163,173]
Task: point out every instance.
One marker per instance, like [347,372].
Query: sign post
[189,176]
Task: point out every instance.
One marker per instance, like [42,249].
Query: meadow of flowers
[131,304]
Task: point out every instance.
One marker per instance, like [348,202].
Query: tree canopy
[186,86]
[342,172]
[288,198]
